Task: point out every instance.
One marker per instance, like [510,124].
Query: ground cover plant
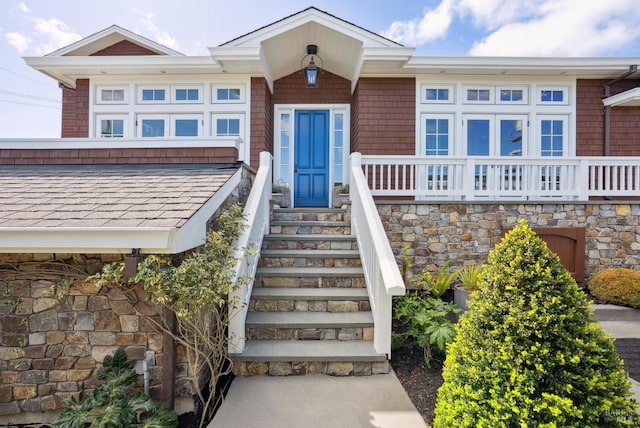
[528,353]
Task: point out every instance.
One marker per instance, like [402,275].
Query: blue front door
[311,176]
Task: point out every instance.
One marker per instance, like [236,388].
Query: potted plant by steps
[281,194]
[340,195]
[469,277]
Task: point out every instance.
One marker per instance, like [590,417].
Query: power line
[24,76]
[17,94]
[30,104]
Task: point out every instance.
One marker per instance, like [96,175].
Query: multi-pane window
[111,95]
[227,94]
[480,95]
[174,125]
[551,137]
[285,147]
[227,125]
[558,95]
[517,95]
[153,95]
[338,147]
[437,94]
[187,94]
[110,126]
[437,136]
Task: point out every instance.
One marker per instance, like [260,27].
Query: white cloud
[527,28]
[150,29]
[433,25]
[566,28]
[23,7]
[18,41]
[52,34]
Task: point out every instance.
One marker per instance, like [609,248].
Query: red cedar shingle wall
[383,116]
[124,47]
[117,156]
[331,89]
[261,120]
[75,110]
[625,121]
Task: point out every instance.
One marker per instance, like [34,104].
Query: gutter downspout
[607,109]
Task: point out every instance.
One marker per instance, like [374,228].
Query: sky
[30,101]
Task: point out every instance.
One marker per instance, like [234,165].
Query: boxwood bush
[528,353]
[619,286]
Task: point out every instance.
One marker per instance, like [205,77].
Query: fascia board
[630,98]
[194,232]
[387,53]
[110,143]
[237,53]
[103,240]
[115,62]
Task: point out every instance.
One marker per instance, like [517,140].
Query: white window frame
[165,88]
[176,88]
[565,95]
[122,88]
[467,88]
[98,124]
[150,116]
[198,117]
[227,116]
[494,132]
[566,148]
[214,93]
[423,132]
[525,95]
[425,87]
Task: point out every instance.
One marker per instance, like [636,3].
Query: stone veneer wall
[54,336]
[464,233]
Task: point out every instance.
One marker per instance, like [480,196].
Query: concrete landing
[317,401]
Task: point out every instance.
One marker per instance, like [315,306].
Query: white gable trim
[108,37]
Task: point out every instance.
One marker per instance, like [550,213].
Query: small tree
[528,353]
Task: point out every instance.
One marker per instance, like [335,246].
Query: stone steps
[309,311]
[310,299]
[310,242]
[309,258]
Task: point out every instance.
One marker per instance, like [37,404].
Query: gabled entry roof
[110,208]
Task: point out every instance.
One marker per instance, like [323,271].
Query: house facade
[453,149]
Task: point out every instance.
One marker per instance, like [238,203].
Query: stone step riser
[308,262]
[300,305]
[303,229]
[300,368]
[325,244]
[278,281]
[308,216]
[273,333]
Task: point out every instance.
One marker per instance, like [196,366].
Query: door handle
[295,168]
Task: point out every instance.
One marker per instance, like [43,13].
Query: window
[152,94]
[175,125]
[186,94]
[508,132]
[227,125]
[285,147]
[338,147]
[517,95]
[552,136]
[152,127]
[553,96]
[111,95]
[437,94]
[227,94]
[110,126]
[479,95]
[437,135]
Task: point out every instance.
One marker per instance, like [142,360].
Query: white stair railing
[256,214]
[381,271]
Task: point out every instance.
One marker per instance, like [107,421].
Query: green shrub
[115,403]
[426,323]
[469,276]
[619,286]
[528,353]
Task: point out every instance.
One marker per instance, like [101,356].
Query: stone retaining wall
[464,233]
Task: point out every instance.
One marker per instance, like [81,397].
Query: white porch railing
[457,178]
[381,271]
[256,213]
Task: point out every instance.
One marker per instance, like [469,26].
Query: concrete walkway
[317,401]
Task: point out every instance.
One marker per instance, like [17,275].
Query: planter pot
[282,199]
[339,199]
[461,296]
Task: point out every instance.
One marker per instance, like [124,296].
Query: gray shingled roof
[106,195]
